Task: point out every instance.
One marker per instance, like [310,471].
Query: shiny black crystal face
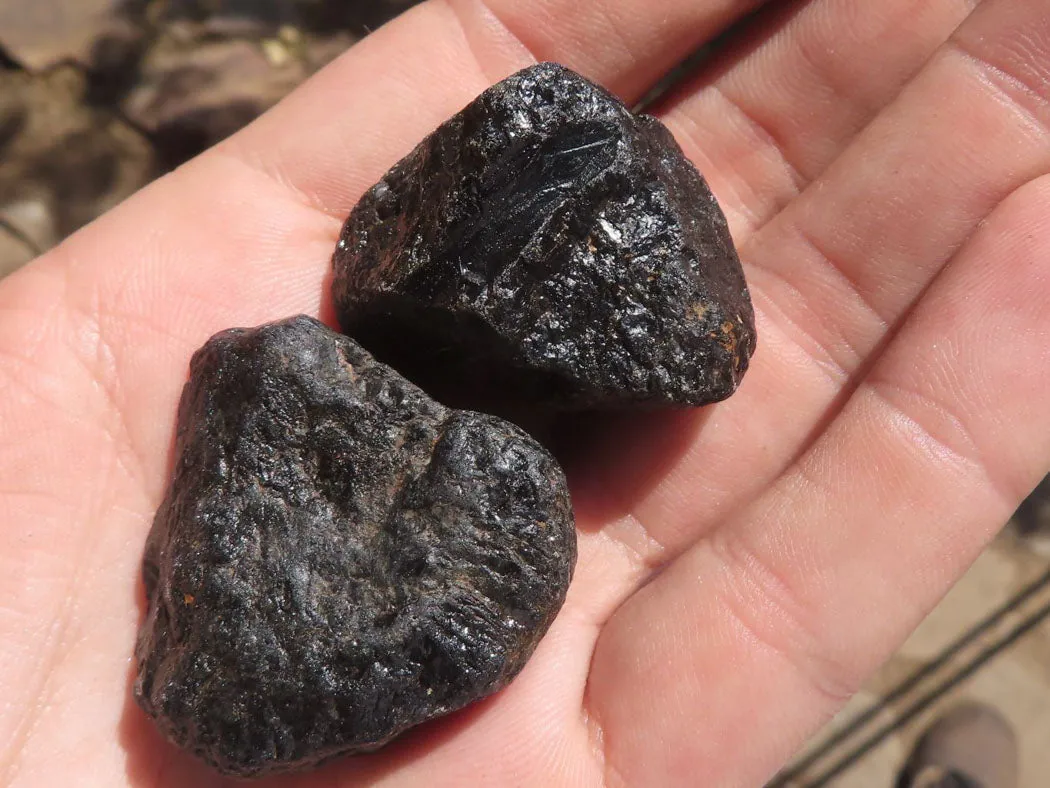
[545,246]
[338,557]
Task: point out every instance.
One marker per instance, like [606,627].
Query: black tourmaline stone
[547,246]
[338,557]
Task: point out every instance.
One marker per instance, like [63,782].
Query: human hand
[742,568]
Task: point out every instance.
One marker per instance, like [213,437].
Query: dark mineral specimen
[338,556]
[546,245]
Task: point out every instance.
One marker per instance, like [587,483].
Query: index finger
[335,136]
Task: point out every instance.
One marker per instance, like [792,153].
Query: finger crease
[954,443]
[819,353]
[761,132]
[840,269]
[1024,97]
[755,593]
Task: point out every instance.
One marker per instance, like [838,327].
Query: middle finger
[837,269]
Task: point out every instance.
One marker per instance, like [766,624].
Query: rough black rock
[547,246]
[338,557]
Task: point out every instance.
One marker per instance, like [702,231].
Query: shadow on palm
[613,461]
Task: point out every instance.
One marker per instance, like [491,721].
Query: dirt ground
[99,97]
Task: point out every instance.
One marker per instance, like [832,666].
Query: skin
[742,568]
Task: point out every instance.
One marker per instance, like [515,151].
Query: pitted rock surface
[547,246]
[338,557]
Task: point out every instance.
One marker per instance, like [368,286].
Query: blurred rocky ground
[99,97]
[1032,519]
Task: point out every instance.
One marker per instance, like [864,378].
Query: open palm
[742,568]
